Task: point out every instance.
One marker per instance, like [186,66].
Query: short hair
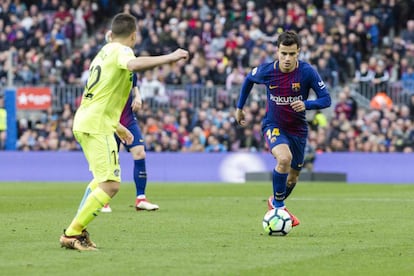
[288,38]
[123,25]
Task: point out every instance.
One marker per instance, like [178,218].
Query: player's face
[288,57]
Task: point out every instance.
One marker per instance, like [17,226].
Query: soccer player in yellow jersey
[97,119]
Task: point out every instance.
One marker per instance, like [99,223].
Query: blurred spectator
[364,76]
[319,120]
[235,78]
[248,142]
[213,145]
[407,80]
[343,106]
[381,78]
[152,88]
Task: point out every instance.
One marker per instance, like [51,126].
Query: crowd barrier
[204,167]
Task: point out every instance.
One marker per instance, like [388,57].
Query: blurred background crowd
[360,48]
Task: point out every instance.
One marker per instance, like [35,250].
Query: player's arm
[124,134]
[147,62]
[244,94]
[137,101]
[245,90]
[323,99]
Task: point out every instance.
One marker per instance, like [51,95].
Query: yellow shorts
[101,151]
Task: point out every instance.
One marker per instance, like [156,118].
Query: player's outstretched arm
[148,62]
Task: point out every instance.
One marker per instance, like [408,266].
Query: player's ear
[134,36]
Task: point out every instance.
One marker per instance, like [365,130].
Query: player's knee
[284,161]
[110,187]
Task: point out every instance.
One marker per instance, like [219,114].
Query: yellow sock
[95,201]
[93,184]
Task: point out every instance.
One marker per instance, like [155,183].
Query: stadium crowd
[351,43]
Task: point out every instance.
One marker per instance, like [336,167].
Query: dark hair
[288,38]
[123,25]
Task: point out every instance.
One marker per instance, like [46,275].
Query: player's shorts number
[272,132]
[116,161]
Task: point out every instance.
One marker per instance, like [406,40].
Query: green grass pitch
[211,229]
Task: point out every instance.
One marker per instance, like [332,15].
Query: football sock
[90,209]
[92,186]
[289,188]
[140,176]
[279,188]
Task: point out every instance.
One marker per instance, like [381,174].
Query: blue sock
[279,188]
[140,176]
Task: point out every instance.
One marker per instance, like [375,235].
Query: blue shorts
[138,139]
[275,136]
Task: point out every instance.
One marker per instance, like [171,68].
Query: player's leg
[92,186]
[107,208]
[137,150]
[284,157]
[297,147]
[279,145]
[102,155]
[292,179]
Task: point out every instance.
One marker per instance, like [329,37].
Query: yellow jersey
[106,90]
[3,119]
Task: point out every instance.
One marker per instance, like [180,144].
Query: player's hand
[240,118]
[137,102]
[298,106]
[180,54]
[124,134]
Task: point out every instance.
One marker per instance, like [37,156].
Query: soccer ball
[277,222]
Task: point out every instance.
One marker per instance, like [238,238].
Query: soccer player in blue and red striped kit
[288,82]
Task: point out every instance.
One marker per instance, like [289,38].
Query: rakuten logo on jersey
[285,100]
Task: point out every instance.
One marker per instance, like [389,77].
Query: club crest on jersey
[296,86]
[116,172]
